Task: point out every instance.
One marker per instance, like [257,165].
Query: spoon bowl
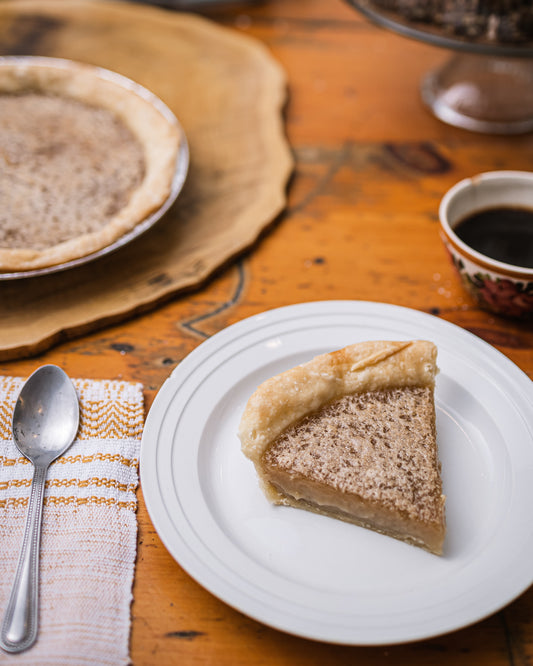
[45,423]
[46,415]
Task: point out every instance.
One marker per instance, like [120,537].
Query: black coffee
[504,234]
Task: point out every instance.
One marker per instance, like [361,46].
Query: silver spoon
[45,423]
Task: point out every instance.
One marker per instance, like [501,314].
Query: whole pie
[351,435]
[84,158]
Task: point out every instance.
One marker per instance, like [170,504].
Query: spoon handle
[19,628]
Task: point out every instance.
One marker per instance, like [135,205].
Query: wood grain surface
[361,223]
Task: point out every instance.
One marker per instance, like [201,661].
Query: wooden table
[361,223]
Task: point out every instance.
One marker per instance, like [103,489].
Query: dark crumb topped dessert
[492,21]
[350,450]
[85,157]
[66,169]
[352,435]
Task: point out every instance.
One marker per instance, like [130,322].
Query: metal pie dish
[178,178]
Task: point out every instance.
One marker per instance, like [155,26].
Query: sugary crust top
[158,135]
[285,399]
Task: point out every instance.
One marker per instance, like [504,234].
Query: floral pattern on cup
[497,293]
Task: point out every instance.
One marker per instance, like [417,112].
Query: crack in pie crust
[351,434]
[83,160]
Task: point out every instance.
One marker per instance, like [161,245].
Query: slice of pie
[85,156]
[351,434]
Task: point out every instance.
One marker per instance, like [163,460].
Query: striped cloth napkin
[89,535]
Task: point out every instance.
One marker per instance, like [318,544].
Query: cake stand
[485,86]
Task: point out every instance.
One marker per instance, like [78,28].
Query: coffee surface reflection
[502,233]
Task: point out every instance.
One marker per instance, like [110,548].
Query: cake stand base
[482,93]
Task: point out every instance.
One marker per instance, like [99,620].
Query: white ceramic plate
[320,578]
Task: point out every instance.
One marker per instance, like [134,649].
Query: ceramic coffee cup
[498,285]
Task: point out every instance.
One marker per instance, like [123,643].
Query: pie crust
[136,113]
[351,434]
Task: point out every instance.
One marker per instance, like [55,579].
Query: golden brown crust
[158,135]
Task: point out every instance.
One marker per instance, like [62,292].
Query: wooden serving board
[228,94]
